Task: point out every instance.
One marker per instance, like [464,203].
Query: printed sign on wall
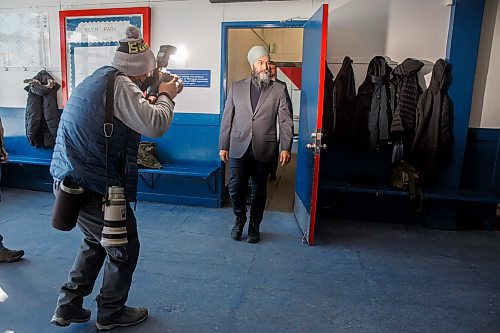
[193,77]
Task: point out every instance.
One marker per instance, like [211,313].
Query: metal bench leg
[149,183]
[211,181]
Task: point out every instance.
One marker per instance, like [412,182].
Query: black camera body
[162,59]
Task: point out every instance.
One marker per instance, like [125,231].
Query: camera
[114,232]
[162,58]
[69,196]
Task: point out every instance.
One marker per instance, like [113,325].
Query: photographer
[85,156]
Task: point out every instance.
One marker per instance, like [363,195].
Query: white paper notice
[88,59]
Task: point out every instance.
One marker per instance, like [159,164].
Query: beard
[143,85]
[261,79]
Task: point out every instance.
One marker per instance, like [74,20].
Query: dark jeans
[241,170]
[119,265]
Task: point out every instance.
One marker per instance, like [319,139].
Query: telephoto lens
[114,232]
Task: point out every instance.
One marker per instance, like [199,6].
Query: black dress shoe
[237,230]
[253,232]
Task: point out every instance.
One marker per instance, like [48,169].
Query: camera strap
[108,119]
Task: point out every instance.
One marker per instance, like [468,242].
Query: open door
[311,115]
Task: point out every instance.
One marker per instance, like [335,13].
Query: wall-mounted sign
[193,77]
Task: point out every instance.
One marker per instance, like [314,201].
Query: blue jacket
[79,153]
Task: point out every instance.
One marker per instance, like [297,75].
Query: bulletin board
[24,40]
[89,39]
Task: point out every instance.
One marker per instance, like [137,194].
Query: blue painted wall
[481,168]
[191,140]
[462,49]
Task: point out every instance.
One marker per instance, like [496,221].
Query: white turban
[256,53]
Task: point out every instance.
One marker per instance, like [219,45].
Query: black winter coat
[328,117]
[373,110]
[407,93]
[42,113]
[344,93]
[433,137]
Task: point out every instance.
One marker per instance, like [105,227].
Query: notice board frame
[96,15]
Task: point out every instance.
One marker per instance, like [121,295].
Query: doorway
[284,40]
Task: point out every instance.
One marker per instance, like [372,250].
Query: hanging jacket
[374,106]
[328,119]
[42,113]
[407,93]
[344,93]
[79,153]
[433,136]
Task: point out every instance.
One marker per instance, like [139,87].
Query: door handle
[315,145]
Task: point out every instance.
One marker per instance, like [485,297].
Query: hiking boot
[128,317]
[7,255]
[237,230]
[253,232]
[61,319]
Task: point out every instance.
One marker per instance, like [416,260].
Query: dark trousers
[242,169]
[119,265]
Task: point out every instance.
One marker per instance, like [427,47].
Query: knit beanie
[133,56]
[256,53]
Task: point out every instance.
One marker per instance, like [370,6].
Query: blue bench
[469,195]
[22,159]
[148,175]
[163,185]
[207,173]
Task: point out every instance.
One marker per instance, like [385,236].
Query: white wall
[358,28]
[193,23]
[485,111]
[398,29]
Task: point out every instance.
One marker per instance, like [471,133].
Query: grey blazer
[240,125]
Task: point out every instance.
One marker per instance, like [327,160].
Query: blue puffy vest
[79,153]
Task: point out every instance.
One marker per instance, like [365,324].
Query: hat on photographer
[133,56]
